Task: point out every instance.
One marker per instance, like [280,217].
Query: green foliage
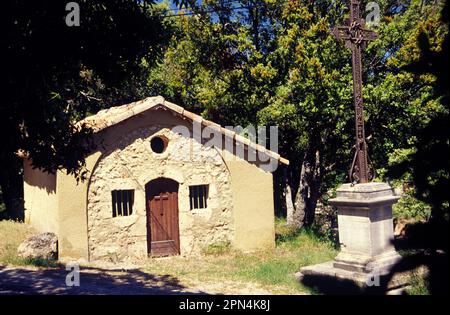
[55,75]
[408,207]
[428,163]
[277,64]
[283,231]
[287,234]
[37,262]
[272,62]
[418,285]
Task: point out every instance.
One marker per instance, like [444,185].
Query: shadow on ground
[425,245]
[330,285]
[92,281]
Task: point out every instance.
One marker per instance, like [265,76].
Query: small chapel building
[161,181]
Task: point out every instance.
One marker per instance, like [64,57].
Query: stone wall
[131,164]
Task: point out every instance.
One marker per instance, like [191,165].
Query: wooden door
[163,237]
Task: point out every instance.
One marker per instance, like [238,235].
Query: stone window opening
[158,144]
[122,202]
[198,196]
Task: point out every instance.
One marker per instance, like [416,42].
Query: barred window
[198,196]
[122,202]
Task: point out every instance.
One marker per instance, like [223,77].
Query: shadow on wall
[93,281]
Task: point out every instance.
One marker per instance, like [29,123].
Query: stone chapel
[161,181]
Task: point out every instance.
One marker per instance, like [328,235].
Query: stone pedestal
[366,235]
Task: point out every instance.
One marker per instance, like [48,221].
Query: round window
[158,144]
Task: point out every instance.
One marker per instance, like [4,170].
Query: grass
[418,285]
[13,233]
[270,269]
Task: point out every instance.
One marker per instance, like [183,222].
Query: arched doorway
[163,235]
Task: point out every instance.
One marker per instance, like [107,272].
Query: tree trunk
[308,191]
[290,209]
[254,17]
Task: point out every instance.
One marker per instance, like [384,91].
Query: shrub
[408,207]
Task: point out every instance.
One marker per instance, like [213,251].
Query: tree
[316,102]
[212,66]
[425,161]
[275,62]
[54,74]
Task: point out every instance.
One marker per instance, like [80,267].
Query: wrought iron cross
[355,36]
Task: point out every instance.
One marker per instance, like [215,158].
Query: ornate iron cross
[355,36]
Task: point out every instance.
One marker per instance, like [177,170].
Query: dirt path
[25,280]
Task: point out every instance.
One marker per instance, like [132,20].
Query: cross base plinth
[366,235]
[381,264]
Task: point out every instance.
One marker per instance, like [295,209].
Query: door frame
[153,186]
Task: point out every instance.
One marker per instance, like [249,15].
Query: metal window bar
[195,198]
[122,202]
[198,196]
[131,201]
[114,201]
[119,203]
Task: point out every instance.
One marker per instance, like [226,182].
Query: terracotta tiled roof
[111,116]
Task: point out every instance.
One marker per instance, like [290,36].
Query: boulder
[40,246]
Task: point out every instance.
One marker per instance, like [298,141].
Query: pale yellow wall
[254,218]
[72,202]
[41,203]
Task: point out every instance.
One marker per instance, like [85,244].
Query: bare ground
[93,280]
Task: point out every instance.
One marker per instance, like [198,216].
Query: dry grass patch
[12,233]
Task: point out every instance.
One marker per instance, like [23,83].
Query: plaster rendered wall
[72,219]
[41,203]
[131,164]
[254,215]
